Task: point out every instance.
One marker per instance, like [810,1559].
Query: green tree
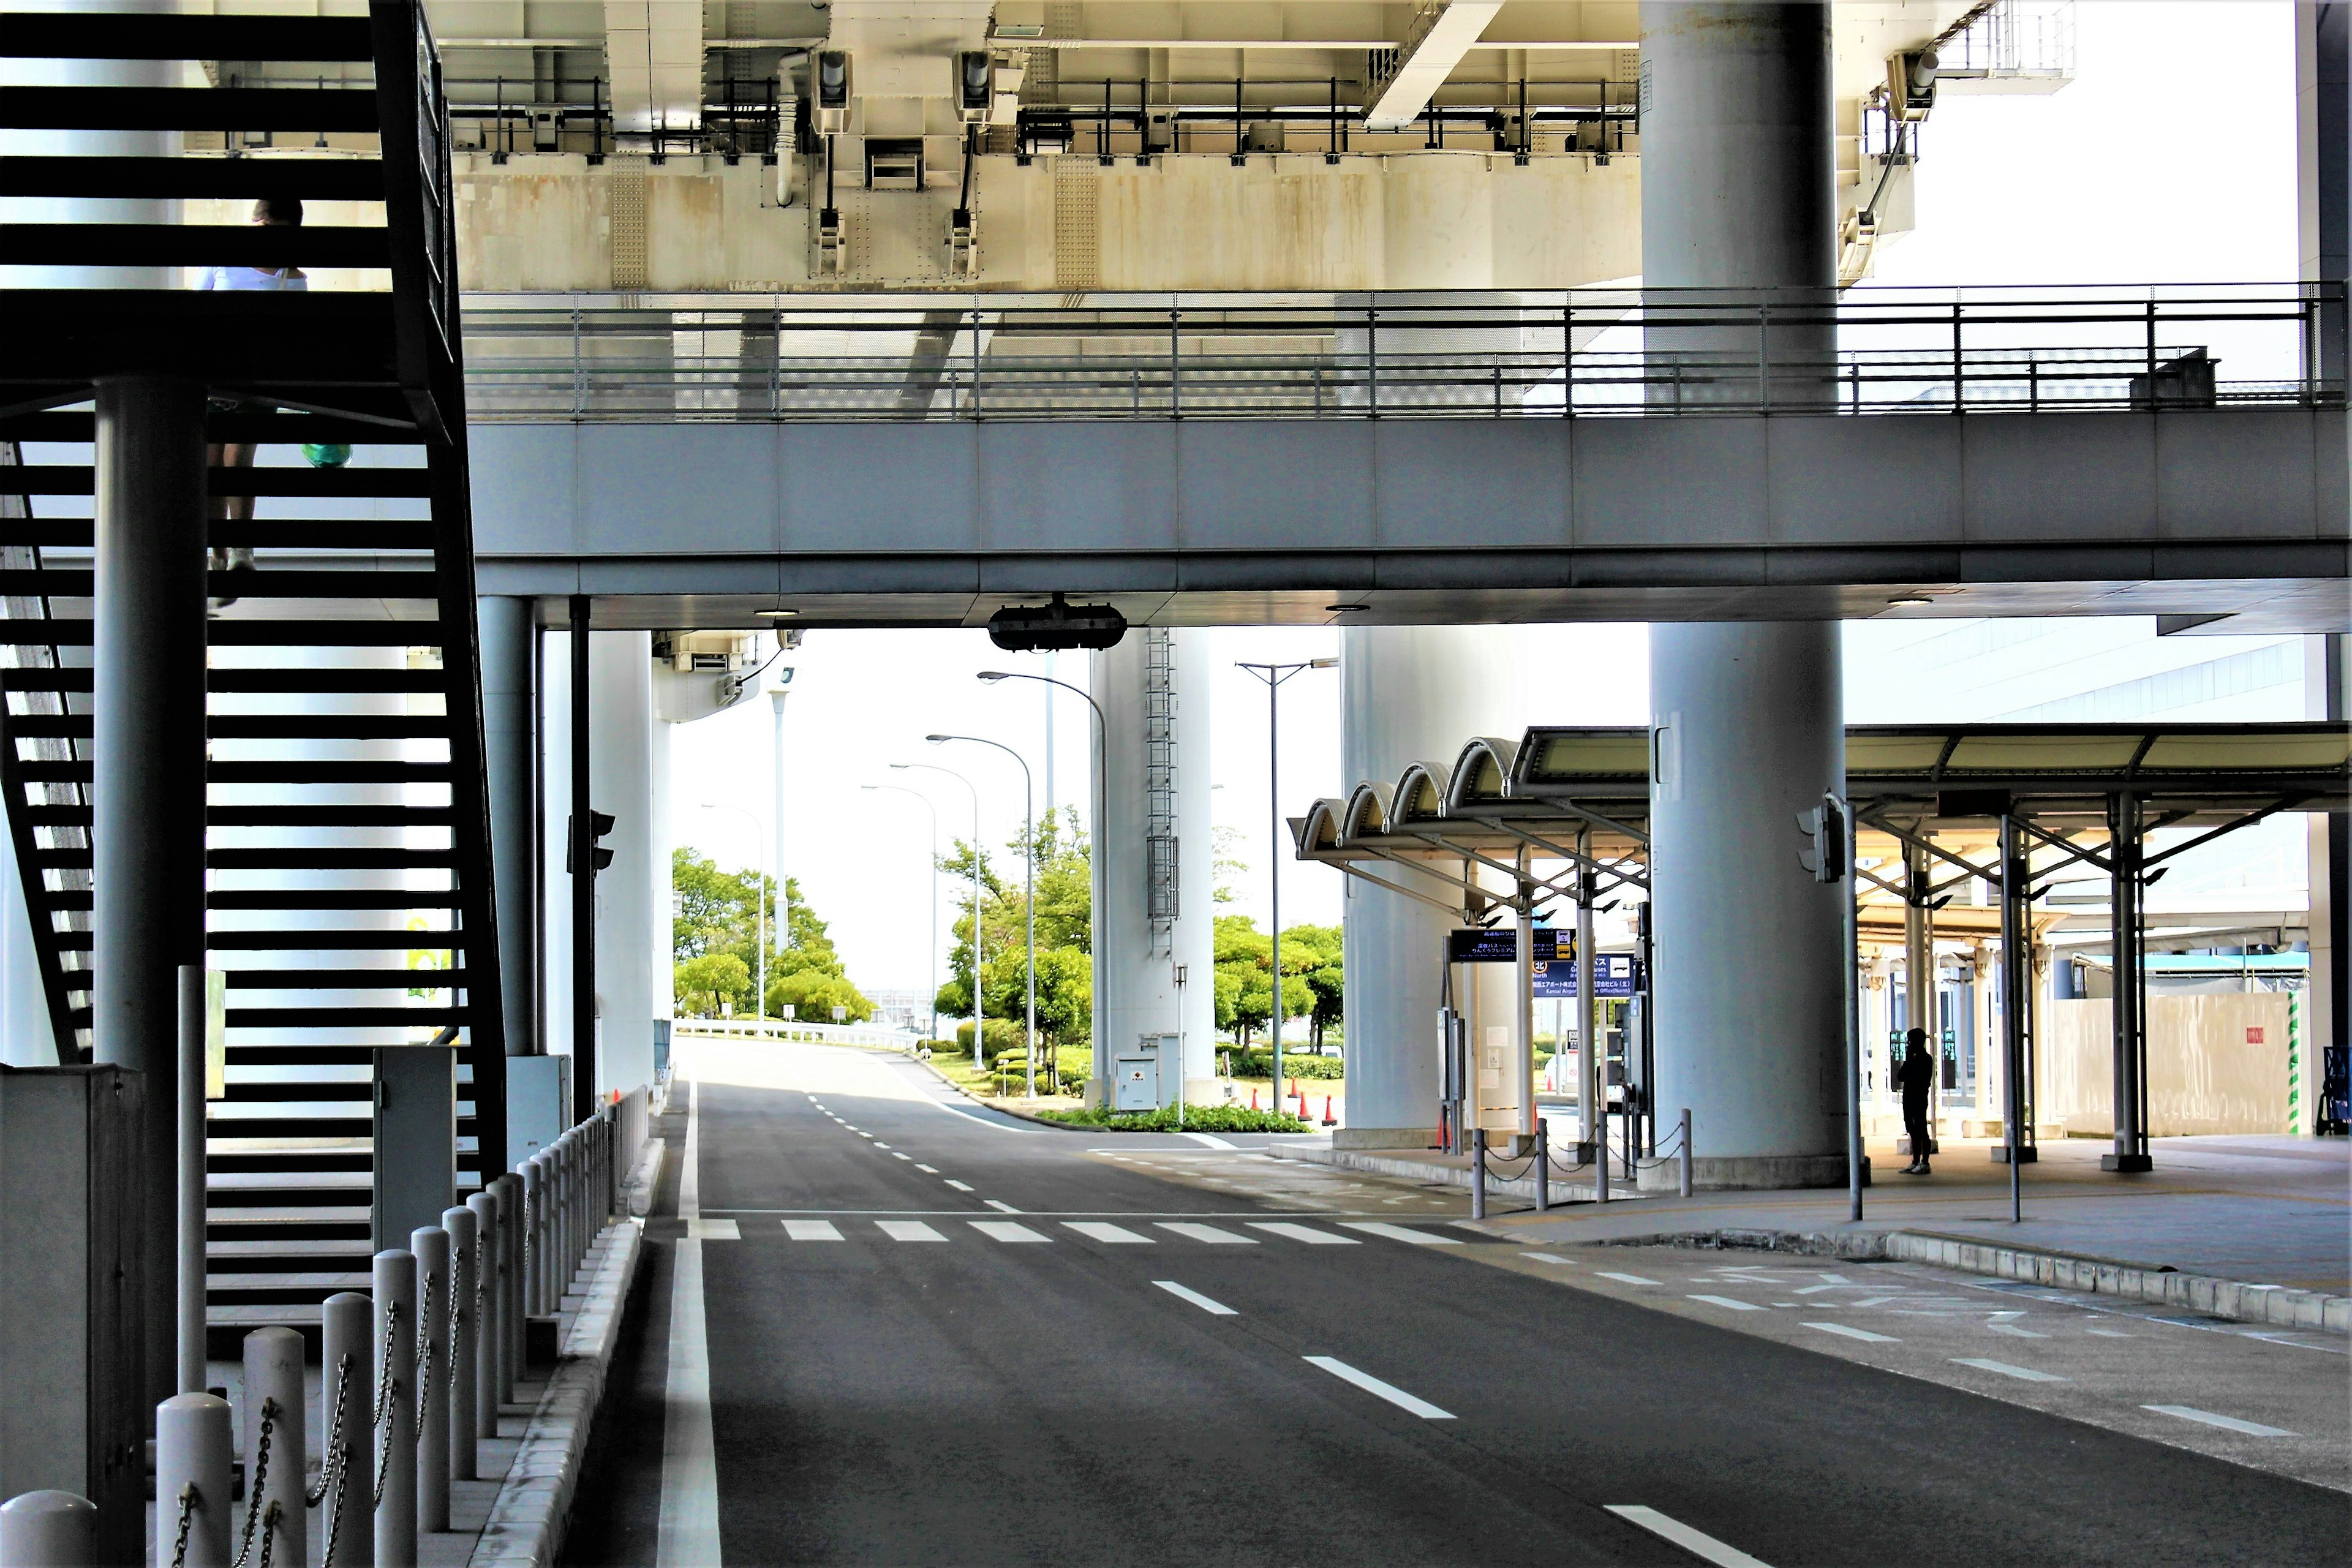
[1244,957]
[706,982]
[1065,933]
[717,915]
[1312,952]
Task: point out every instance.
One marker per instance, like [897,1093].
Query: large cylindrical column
[147,807]
[1155,909]
[620,783]
[1407,694]
[509,742]
[1745,736]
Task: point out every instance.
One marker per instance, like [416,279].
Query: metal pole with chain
[464,1290]
[347,1349]
[277,1442]
[394,1412]
[194,1452]
[431,1244]
[489,1284]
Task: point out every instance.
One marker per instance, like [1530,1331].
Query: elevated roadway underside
[2215,512]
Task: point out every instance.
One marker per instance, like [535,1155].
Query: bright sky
[2133,174]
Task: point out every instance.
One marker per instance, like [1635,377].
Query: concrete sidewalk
[2264,1210]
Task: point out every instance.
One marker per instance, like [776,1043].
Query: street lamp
[979,1009]
[1273,674]
[1095,872]
[933,942]
[1029,858]
[760,882]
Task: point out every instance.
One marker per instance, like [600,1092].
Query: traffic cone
[1302,1103]
[1253,1099]
[1328,1120]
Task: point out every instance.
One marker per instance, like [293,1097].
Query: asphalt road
[900,1374]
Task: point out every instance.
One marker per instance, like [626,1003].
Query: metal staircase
[347,838]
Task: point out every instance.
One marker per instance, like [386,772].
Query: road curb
[2276,1306]
[535,1502]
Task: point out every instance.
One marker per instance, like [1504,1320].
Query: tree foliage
[1064,932]
[1244,973]
[717,918]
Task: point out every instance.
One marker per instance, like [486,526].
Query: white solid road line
[1005,1230]
[1727,1301]
[1698,1542]
[1305,1233]
[1624,1279]
[1212,1139]
[1388,1390]
[2024,1374]
[908,1230]
[966,1186]
[1117,1235]
[811,1230]
[699,1229]
[1398,1233]
[999,1205]
[2226,1422]
[1208,1233]
[1862,1334]
[687,1531]
[1215,1309]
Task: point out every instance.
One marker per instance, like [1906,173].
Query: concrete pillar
[1749,947]
[1407,694]
[1138,954]
[508,643]
[148,914]
[2326,689]
[620,784]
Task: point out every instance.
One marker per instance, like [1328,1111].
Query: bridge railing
[1591,352]
[795,1029]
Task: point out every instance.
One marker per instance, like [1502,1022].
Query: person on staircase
[269,212]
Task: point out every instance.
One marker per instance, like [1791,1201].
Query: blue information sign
[1500,944]
[1618,974]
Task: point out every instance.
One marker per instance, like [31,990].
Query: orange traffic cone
[1328,1119]
[1253,1099]
[1302,1103]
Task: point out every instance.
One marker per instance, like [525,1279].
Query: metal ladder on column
[347,839]
[1162,889]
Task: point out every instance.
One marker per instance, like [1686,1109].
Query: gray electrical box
[73,1410]
[415,1140]
[1144,1076]
[538,1103]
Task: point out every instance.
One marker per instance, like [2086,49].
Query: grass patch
[1197,1119]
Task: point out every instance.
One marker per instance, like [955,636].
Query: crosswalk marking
[908,1230]
[1863,1334]
[2226,1422]
[1548,1257]
[811,1230]
[999,1205]
[2022,1373]
[1006,1230]
[1117,1234]
[1625,1278]
[1398,1233]
[1208,1233]
[1307,1234]
[713,1230]
[1727,1301]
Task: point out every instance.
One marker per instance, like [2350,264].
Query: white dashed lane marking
[1412,1403]
[1727,1301]
[966,1186]
[1215,1309]
[1862,1334]
[2226,1422]
[2022,1373]
[1698,1542]
[1621,1279]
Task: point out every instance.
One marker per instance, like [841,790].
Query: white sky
[2170,158]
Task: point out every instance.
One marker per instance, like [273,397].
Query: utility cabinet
[415,1140]
[73,1396]
[1140,1070]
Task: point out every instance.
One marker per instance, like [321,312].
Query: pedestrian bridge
[1583,455]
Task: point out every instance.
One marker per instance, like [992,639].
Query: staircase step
[283,479]
[329,941]
[190,245]
[185,107]
[291,1247]
[259,632]
[332,899]
[309,815]
[297,726]
[336,979]
[357,1279]
[344,1017]
[310,179]
[328,859]
[125,35]
[388,682]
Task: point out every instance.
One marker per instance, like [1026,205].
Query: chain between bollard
[387,1389]
[189,1497]
[335,1428]
[268,1533]
[255,1488]
[423,1356]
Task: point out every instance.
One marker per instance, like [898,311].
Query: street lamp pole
[979,1008]
[760,897]
[1273,674]
[1029,858]
[1098,785]
[932,943]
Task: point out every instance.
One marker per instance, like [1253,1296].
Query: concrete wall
[1436,220]
[2215,1064]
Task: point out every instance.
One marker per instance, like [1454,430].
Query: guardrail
[1580,353]
[795,1029]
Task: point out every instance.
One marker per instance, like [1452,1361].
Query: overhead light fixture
[939,740]
[1908,601]
[993,676]
[1032,629]
[1345,609]
[777,614]
[1322,664]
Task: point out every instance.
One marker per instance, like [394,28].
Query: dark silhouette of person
[1917,1075]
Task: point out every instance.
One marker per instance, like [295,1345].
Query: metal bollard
[346,1423]
[431,1244]
[1543,1167]
[395,1449]
[465,1317]
[558,1221]
[276,1448]
[509,1190]
[1687,1153]
[192,1454]
[1478,1172]
[48,1530]
[489,1239]
[534,1197]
